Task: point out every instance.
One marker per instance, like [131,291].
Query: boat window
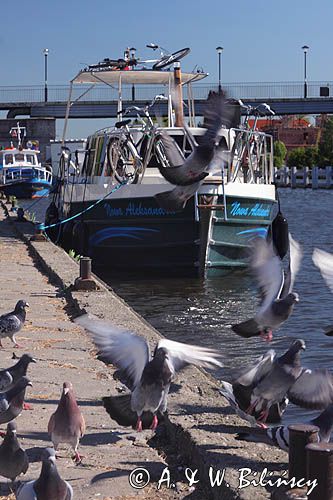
[8,159]
[89,159]
[31,159]
[98,160]
[19,157]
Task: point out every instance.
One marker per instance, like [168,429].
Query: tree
[303,157]
[325,149]
[280,153]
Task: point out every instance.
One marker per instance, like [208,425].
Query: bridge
[285,98]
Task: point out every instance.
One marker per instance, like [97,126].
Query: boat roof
[17,151]
[134,76]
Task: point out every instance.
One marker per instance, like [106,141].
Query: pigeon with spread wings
[324,261]
[150,378]
[278,299]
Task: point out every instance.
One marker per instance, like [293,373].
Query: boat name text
[133,210]
[257,210]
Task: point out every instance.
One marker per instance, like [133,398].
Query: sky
[262,40]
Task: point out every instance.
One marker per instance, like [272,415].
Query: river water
[201,311]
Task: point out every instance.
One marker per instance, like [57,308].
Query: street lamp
[132,55]
[46,53]
[305,49]
[219,51]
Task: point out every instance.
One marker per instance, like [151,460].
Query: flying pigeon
[11,402]
[175,199]
[183,172]
[13,459]
[151,378]
[67,424]
[278,298]
[279,435]
[270,379]
[239,398]
[324,261]
[49,485]
[12,322]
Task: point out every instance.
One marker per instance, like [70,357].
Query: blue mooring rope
[43,228]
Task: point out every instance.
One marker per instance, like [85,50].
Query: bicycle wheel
[123,161]
[167,60]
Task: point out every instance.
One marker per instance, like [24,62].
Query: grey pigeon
[324,261]
[175,199]
[17,371]
[11,402]
[151,378]
[67,424]
[49,485]
[278,298]
[13,459]
[270,379]
[183,172]
[279,435]
[12,322]
[239,398]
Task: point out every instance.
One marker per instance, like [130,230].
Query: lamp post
[219,51]
[132,53]
[46,53]
[305,49]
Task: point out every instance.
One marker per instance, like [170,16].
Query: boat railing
[14,174]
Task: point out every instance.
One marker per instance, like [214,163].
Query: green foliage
[326,144]
[74,256]
[280,153]
[303,157]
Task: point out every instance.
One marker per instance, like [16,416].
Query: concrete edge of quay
[200,424]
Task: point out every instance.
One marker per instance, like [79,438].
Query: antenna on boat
[16,132]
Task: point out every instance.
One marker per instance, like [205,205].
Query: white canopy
[134,76]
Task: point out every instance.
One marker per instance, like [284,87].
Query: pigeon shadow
[36,436]
[96,438]
[108,475]
[90,402]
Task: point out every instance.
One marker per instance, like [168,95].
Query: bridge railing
[268,90]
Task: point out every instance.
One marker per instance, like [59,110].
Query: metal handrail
[239,90]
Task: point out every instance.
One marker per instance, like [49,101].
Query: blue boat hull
[122,234]
[27,189]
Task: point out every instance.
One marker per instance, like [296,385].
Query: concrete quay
[198,433]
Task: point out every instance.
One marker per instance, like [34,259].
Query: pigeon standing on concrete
[67,424]
[278,298]
[49,485]
[13,459]
[12,322]
[11,402]
[150,379]
[324,261]
[18,370]
[279,435]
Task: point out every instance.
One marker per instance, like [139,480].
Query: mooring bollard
[319,458]
[39,234]
[300,435]
[20,215]
[85,281]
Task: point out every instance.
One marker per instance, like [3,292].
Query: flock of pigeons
[259,393]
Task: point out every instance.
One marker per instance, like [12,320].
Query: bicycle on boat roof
[130,61]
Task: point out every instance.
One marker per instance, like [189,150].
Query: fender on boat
[280,234]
